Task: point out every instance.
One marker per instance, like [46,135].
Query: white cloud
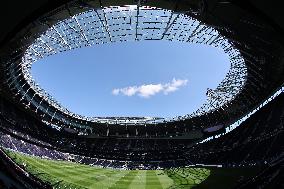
[174,85]
[115,91]
[149,90]
[129,91]
[146,91]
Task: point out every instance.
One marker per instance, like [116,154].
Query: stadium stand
[257,140]
[270,177]
[250,144]
[28,123]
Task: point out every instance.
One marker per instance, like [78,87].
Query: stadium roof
[132,23]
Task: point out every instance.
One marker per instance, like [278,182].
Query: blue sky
[145,78]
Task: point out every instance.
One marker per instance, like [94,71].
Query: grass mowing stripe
[108,179]
[103,180]
[152,181]
[70,170]
[139,181]
[124,181]
[86,179]
[51,169]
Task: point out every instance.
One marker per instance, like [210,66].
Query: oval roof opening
[146,78]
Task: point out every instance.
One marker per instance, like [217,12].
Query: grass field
[63,174]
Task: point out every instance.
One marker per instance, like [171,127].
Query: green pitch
[63,174]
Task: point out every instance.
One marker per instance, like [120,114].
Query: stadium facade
[32,119]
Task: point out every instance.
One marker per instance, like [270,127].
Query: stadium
[233,140]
